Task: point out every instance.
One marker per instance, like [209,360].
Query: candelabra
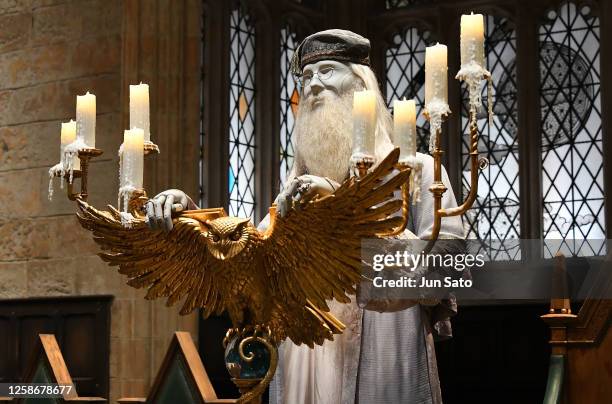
[251,354]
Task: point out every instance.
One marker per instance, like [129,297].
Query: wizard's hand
[302,189]
[160,208]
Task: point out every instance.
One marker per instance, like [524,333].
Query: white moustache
[315,100]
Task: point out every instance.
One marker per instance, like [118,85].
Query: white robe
[381,357]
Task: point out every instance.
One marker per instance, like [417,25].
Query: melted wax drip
[436,109]
[416,174]
[125,193]
[473,74]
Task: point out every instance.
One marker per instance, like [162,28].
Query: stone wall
[50,51]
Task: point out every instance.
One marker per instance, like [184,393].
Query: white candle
[86,119]
[404,127]
[436,86]
[472,40]
[68,135]
[139,109]
[132,159]
[364,123]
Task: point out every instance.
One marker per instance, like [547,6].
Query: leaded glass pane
[242,115]
[495,214]
[405,76]
[289,98]
[572,160]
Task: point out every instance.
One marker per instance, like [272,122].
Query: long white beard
[324,136]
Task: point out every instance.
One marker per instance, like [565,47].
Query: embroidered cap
[332,44]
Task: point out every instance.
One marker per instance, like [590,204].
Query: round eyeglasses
[323,74]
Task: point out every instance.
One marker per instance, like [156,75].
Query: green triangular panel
[41,375]
[177,386]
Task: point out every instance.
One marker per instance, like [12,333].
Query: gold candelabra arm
[476,164]
[405,202]
[85,155]
[70,184]
[438,188]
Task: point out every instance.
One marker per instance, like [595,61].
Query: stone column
[161,47]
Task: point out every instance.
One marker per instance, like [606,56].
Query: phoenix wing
[172,265]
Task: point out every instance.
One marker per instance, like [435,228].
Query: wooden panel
[29,328]
[79,340]
[589,371]
[586,341]
[81,326]
[5,353]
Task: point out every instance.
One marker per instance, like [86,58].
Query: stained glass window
[495,214]
[289,98]
[572,160]
[242,115]
[405,76]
